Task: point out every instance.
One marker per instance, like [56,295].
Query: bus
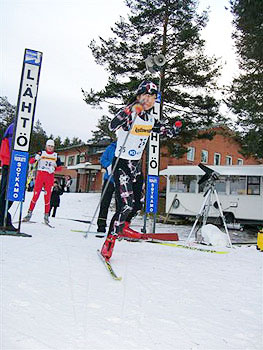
[239,188]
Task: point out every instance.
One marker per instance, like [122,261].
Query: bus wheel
[230,218]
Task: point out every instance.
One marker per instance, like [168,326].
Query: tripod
[204,211]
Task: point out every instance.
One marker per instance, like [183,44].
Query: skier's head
[146,94]
[50,144]
[147,88]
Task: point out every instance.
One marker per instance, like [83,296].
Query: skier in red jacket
[48,162]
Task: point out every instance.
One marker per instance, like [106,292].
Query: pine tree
[76,141]
[38,138]
[103,130]
[170,27]
[247,89]
[66,142]
[58,142]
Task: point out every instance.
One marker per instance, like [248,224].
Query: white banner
[153,156]
[27,99]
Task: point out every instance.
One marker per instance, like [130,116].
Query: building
[81,162]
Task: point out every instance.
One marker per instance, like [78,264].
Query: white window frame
[240,161]
[206,152]
[231,160]
[190,153]
[217,154]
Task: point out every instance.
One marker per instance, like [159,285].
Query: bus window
[253,185]
[237,185]
[183,183]
[220,185]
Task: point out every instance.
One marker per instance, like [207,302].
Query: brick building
[81,162]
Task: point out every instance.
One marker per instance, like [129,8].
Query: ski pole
[134,115]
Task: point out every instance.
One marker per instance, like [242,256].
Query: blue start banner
[152,194]
[17,176]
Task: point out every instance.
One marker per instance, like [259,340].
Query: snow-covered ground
[56,293]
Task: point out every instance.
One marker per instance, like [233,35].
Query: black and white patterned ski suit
[139,127]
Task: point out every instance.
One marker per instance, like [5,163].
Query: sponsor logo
[141,130]
[132,152]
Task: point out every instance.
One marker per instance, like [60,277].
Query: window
[217,159]
[183,183]
[253,185]
[229,160]
[204,156]
[62,159]
[82,157]
[237,185]
[239,161]
[71,160]
[190,153]
[220,185]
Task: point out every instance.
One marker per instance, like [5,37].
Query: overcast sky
[62,30]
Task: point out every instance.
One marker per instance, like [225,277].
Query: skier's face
[50,148]
[147,101]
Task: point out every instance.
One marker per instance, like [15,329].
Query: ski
[26,222]
[78,220]
[81,231]
[35,222]
[44,223]
[189,247]
[108,266]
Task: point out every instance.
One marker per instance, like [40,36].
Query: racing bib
[136,141]
[47,162]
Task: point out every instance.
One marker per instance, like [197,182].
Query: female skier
[135,121]
[48,162]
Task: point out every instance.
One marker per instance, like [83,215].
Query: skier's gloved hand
[37,157]
[137,108]
[177,127]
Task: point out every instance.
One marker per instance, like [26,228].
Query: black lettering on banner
[28,75]
[153,111]
[28,92]
[24,121]
[22,141]
[154,148]
[153,164]
[154,136]
[24,106]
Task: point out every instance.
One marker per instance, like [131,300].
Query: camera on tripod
[209,178]
[210,174]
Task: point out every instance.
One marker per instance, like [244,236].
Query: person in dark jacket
[106,161]
[55,198]
[5,150]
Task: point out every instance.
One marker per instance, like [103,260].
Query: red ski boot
[127,232]
[108,246]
